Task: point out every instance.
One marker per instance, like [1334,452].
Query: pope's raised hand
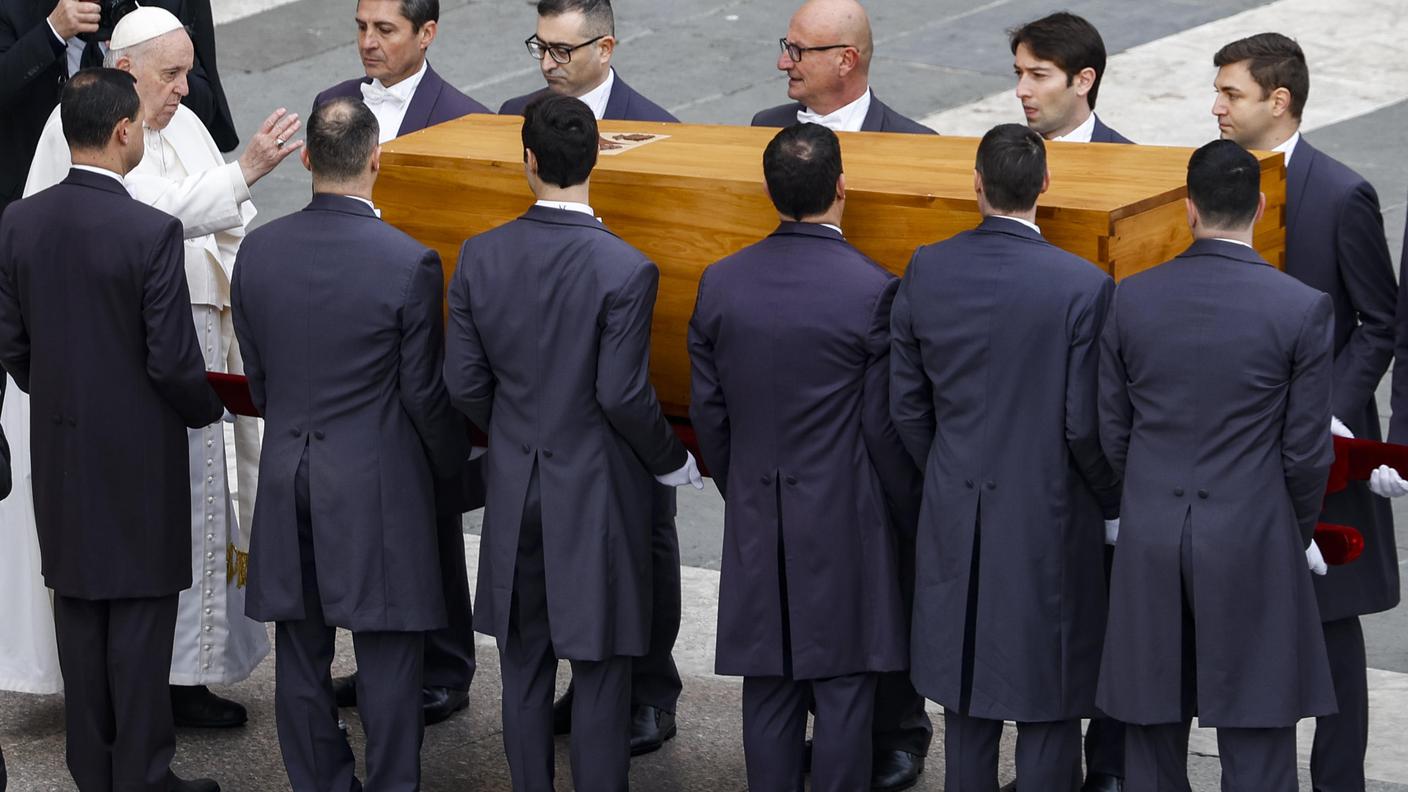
[270,145]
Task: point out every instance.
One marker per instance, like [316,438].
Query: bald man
[826,56]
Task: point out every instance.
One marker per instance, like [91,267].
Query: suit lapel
[619,100]
[875,116]
[1297,175]
[422,103]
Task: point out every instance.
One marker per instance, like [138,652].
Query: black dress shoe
[650,728]
[895,770]
[1101,782]
[562,714]
[194,706]
[1011,787]
[440,703]
[344,690]
[177,784]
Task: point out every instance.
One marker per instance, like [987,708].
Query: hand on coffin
[688,474]
[1315,559]
[1112,531]
[1386,483]
[1338,429]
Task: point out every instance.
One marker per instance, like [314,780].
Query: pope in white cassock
[183,174]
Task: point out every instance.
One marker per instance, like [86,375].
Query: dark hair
[1275,61]
[561,133]
[342,134]
[93,102]
[418,12]
[802,165]
[1224,183]
[599,19]
[1068,41]
[1012,164]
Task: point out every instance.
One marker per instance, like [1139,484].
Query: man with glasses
[826,56]
[404,93]
[574,43]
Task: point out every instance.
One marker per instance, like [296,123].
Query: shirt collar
[848,118]
[835,228]
[102,172]
[1289,147]
[1234,241]
[597,98]
[1081,134]
[568,206]
[1027,223]
[369,204]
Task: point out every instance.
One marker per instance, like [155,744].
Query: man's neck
[1243,235]
[830,217]
[577,193]
[361,190]
[1082,114]
[407,75]
[604,76]
[1029,215]
[829,105]
[110,161]
[1275,137]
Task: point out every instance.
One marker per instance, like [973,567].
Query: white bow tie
[374,93]
[805,116]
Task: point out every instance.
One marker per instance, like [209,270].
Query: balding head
[342,143]
[838,73]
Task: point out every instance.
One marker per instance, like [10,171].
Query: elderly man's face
[817,77]
[391,48]
[161,66]
[588,67]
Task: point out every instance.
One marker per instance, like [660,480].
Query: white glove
[1112,531]
[689,474]
[1386,483]
[1316,561]
[1338,429]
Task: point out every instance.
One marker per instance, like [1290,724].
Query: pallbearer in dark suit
[406,95]
[1215,380]
[994,393]
[575,434]
[111,499]
[826,57]
[574,43]
[1059,61]
[789,351]
[339,317]
[1334,243]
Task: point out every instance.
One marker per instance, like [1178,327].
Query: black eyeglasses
[794,51]
[560,53]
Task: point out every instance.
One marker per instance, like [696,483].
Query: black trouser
[601,702]
[775,729]
[655,680]
[449,651]
[116,656]
[1104,738]
[1341,740]
[1048,754]
[901,724]
[315,751]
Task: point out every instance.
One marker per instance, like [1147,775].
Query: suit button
[547,453]
[526,448]
[1203,494]
[992,485]
[968,483]
[791,479]
[1178,492]
[319,434]
[765,480]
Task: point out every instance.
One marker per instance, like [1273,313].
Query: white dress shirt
[1080,134]
[369,204]
[1027,223]
[1233,241]
[1289,147]
[598,97]
[389,105]
[843,119]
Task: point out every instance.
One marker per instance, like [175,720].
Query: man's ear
[530,161]
[1045,181]
[303,157]
[376,159]
[427,34]
[1192,213]
[1084,80]
[1280,102]
[1260,208]
[841,187]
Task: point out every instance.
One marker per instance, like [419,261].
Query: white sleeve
[205,202]
[52,161]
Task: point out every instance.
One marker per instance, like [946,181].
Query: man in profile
[826,56]
[339,315]
[575,438]
[574,43]
[1215,393]
[1059,61]
[93,290]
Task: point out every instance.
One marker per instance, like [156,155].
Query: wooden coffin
[697,196]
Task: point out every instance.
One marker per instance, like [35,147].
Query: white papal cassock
[181,173]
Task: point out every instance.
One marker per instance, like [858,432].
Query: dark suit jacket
[1335,243]
[548,351]
[789,349]
[994,373]
[1215,379]
[6,480]
[435,101]
[880,118]
[624,104]
[95,324]
[339,321]
[1398,424]
[1104,134]
[33,68]
[207,96]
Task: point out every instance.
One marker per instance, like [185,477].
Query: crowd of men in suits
[1009,486]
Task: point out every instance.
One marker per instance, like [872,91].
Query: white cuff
[61,39]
